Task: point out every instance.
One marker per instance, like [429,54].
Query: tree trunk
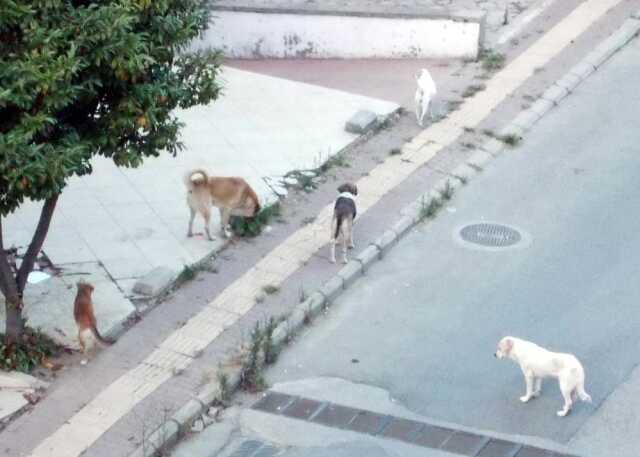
[15,322]
[12,285]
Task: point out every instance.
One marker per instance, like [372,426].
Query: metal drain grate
[490,235]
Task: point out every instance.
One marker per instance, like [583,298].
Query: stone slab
[361,122]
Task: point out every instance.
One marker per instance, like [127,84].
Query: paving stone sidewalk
[119,224]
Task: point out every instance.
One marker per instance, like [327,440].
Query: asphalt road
[422,325]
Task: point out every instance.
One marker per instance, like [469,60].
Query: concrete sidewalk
[118,224]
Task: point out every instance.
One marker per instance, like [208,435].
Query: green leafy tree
[80,78]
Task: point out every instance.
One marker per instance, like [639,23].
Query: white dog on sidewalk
[537,363]
[425,91]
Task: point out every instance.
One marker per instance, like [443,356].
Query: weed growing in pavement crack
[270,289]
[472,90]
[302,294]
[448,190]
[510,139]
[492,60]
[225,389]
[429,210]
[251,376]
[268,348]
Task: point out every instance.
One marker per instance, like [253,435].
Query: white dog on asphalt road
[538,363]
[424,93]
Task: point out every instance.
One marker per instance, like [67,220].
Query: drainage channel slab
[397,428]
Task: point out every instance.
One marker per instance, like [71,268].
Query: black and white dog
[344,212]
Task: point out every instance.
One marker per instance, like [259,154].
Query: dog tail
[100,338]
[584,396]
[195,178]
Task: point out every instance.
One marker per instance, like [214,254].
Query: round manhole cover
[490,235]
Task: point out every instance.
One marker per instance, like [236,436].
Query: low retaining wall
[278,33]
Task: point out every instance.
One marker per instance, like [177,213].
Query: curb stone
[350,272]
[368,256]
[583,70]
[526,119]
[385,242]
[555,94]
[479,158]
[332,288]
[464,172]
[569,81]
[493,146]
[542,106]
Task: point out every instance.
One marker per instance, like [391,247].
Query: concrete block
[361,122]
[493,147]
[368,256]
[187,413]
[464,172]
[208,393]
[583,70]
[154,282]
[479,159]
[296,318]
[598,57]
[385,242]
[542,107]
[403,225]
[350,272]
[526,119]
[162,438]
[569,82]
[412,210]
[315,303]
[332,288]
[555,94]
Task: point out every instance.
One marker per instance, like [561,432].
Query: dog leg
[225,214]
[350,229]
[207,218]
[528,379]
[537,387]
[566,390]
[192,216]
[333,241]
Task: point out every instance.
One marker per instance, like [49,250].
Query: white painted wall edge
[251,35]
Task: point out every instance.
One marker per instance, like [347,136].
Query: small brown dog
[232,196]
[86,320]
[344,212]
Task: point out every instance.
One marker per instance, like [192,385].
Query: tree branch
[36,242]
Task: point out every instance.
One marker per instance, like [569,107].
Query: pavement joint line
[453,434]
[449,130]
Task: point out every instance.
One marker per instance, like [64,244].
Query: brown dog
[232,196]
[86,319]
[344,212]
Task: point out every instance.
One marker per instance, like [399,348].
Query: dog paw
[525,398]
[562,412]
[332,260]
[83,362]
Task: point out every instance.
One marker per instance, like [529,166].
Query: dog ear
[355,190]
[508,345]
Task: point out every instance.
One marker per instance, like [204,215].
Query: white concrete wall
[258,35]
